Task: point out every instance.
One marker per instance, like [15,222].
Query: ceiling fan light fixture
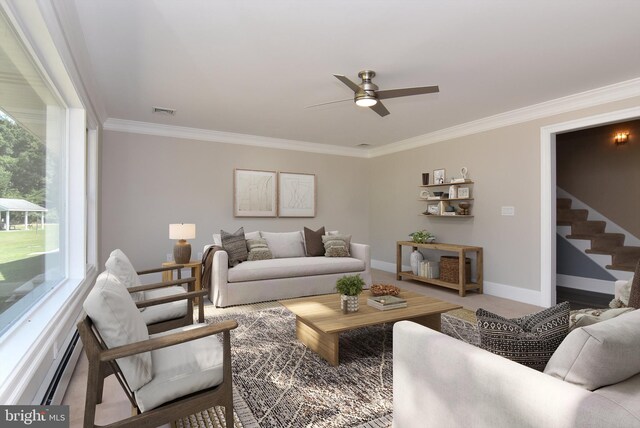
[366,101]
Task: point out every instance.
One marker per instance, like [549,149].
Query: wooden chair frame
[192,295]
[99,356]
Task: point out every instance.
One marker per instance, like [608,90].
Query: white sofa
[282,278]
[439,381]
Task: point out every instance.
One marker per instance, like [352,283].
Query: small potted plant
[349,287]
[422,237]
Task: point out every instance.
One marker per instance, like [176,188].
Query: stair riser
[572,215]
[563,203]
[607,242]
[626,256]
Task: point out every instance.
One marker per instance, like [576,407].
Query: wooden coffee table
[319,320]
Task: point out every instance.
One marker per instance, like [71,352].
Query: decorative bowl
[438,194]
[384,290]
[464,205]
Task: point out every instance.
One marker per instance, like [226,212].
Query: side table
[196,272]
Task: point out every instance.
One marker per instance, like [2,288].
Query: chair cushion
[313,242]
[119,322]
[530,340]
[293,267]
[284,245]
[336,245]
[182,369]
[258,250]
[599,354]
[118,264]
[235,245]
[166,311]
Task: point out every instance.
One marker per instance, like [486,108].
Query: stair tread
[625,267]
[602,252]
[572,236]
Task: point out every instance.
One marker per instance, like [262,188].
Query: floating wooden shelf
[446,184]
[439,215]
[445,199]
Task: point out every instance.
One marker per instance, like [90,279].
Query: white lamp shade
[182,231]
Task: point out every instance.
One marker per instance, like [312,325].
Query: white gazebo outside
[20,205]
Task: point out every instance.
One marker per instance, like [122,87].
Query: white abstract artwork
[254,193]
[297,195]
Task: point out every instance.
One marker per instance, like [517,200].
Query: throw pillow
[217,240]
[600,354]
[634,295]
[530,340]
[313,242]
[584,317]
[285,244]
[336,245]
[120,266]
[235,245]
[258,250]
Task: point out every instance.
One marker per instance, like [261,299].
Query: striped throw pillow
[336,245]
[258,250]
[235,245]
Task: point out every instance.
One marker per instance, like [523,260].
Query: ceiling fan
[366,94]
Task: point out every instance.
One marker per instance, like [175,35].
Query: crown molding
[147,128]
[591,98]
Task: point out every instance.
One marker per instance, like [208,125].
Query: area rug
[278,382]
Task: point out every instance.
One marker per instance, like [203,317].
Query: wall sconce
[621,138]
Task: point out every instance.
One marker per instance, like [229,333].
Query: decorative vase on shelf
[416,258]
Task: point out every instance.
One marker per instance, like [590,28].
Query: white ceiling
[251,66]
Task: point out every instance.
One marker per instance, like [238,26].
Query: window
[32,181]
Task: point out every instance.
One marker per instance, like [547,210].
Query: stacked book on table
[385,303]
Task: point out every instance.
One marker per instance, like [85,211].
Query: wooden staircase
[623,257]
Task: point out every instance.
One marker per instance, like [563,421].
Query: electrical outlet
[169,257]
[508,211]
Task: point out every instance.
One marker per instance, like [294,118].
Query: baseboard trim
[386,266]
[586,284]
[523,295]
[532,297]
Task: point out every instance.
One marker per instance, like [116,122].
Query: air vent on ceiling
[164,110]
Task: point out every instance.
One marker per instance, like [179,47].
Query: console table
[462,286]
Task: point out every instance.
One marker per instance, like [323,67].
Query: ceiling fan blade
[380,109]
[405,92]
[346,81]
[330,102]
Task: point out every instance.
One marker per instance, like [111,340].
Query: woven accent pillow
[313,242]
[235,245]
[258,250]
[530,340]
[634,295]
[336,245]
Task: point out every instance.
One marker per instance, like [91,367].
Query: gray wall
[374,199]
[505,165]
[149,182]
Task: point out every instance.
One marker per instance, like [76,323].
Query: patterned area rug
[280,383]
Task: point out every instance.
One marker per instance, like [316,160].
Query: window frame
[35,339]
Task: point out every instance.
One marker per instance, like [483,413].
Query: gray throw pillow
[258,250]
[336,245]
[530,340]
[235,245]
[313,242]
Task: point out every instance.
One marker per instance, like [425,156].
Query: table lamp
[182,249]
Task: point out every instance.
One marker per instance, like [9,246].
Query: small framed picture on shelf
[433,209]
[463,192]
[438,176]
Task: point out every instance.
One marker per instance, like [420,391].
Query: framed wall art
[463,192]
[297,195]
[254,193]
[439,176]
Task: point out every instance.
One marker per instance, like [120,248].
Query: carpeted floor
[280,383]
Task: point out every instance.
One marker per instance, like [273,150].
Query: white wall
[149,182]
